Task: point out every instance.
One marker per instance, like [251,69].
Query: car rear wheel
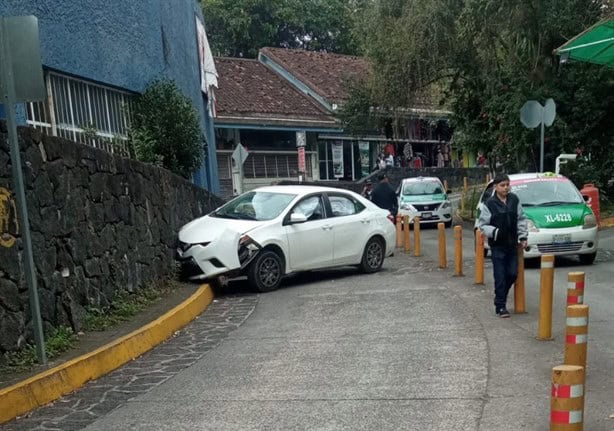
[587,259]
[373,256]
[265,272]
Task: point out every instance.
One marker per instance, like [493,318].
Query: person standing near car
[383,195]
[503,222]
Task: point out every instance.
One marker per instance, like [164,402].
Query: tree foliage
[165,129]
[239,28]
[490,57]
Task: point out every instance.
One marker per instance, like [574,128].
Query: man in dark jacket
[503,222]
[383,196]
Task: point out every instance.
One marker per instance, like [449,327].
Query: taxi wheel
[373,256]
[266,271]
[587,259]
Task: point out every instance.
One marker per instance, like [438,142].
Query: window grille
[83,112]
[265,164]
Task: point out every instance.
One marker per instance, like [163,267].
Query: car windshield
[548,192]
[255,205]
[422,188]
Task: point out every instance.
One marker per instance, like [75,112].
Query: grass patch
[469,202]
[124,305]
[58,341]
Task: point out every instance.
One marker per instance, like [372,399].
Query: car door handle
[365,221]
[327,227]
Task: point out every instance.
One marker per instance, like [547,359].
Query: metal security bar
[83,112]
[265,164]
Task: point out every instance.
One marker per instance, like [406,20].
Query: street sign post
[21,79]
[533,114]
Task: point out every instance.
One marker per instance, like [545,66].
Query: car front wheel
[265,272]
[587,259]
[373,256]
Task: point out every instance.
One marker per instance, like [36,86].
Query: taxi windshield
[547,192]
[422,188]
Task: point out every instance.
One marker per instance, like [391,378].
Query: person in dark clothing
[383,196]
[367,190]
[503,222]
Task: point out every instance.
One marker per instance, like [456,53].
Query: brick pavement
[99,397]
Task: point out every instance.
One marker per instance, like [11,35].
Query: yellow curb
[63,379]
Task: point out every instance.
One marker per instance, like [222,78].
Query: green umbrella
[594,45]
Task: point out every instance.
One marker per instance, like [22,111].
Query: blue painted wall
[123,43]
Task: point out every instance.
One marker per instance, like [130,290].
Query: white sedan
[273,231]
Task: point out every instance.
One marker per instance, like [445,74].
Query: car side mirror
[297,218]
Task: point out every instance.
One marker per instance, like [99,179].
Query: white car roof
[532,175]
[299,189]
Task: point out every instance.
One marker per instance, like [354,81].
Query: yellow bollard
[458,251]
[399,226]
[567,398]
[445,186]
[406,241]
[576,335]
[546,286]
[519,293]
[443,260]
[417,247]
[465,185]
[575,288]
[479,257]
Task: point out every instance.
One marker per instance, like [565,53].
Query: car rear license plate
[427,215]
[562,238]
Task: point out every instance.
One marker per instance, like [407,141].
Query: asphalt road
[409,348]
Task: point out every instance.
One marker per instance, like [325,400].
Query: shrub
[165,129]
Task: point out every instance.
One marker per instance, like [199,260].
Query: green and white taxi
[560,222]
[426,198]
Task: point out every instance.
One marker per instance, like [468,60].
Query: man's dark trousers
[505,268]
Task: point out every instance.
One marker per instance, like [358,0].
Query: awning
[594,45]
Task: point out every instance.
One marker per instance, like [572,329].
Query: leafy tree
[490,57]
[165,129]
[239,28]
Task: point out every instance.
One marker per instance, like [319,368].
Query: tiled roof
[249,89]
[324,72]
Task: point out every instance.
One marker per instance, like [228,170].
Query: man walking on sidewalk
[503,222]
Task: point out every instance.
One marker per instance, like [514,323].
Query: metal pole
[541,148]
[6,69]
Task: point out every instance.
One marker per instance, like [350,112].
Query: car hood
[423,198]
[557,216]
[207,228]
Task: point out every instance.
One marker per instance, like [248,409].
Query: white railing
[265,164]
[84,112]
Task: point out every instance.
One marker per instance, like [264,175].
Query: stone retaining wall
[99,223]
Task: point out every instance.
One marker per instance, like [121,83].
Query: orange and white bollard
[443,259]
[417,239]
[399,226]
[465,185]
[479,257]
[458,251]
[406,242]
[519,292]
[567,398]
[546,288]
[575,288]
[576,335]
